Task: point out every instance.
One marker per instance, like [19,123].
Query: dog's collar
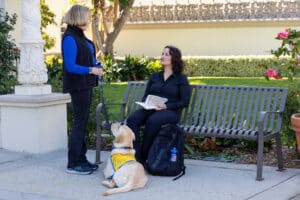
[114,147]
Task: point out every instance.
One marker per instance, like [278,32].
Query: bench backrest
[237,107]
[234,107]
[134,92]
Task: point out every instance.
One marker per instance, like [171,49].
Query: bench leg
[98,149]
[98,134]
[260,157]
[98,141]
[279,152]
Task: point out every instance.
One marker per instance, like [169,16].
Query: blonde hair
[77,15]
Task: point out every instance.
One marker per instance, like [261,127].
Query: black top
[84,57]
[176,89]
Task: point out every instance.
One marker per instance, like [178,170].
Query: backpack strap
[181,174]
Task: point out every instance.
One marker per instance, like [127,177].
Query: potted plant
[295,121]
[288,65]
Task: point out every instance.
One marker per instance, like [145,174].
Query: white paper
[152,101]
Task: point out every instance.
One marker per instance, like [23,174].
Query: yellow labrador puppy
[122,172]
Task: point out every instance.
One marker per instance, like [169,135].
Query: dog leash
[102,97]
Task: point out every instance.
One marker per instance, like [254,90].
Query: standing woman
[170,83]
[80,73]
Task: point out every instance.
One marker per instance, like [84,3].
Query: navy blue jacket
[176,89]
[85,58]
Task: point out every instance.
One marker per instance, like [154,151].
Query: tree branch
[111,37]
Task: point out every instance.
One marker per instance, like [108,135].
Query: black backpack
[159,161]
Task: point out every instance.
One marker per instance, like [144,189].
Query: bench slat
[231,113]
[191,109]
[284,93]
[275,101]
[137,91]
[210,94]
[203,106]
[242,123]
[237,108]
[221,103]
[254,110]
[215,116]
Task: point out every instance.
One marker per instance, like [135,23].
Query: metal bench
[250,113]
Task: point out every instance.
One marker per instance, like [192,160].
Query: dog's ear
[115,128]
[121,135]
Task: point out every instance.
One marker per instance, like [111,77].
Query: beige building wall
[202,39]
[14,6]
[194,39]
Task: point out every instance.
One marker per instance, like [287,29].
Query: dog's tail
[127,187]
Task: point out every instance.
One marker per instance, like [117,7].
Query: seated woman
[170,83]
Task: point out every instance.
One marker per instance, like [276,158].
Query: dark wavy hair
[177,62]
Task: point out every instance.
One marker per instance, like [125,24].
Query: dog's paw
[105,194]
[109,184]
[105,183]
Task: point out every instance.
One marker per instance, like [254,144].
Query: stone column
[33,119]
[32,71]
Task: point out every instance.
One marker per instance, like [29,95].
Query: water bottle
[173,157]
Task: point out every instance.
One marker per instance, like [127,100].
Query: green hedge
[226,67]
[136,68]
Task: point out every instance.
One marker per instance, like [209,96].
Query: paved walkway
[42,177]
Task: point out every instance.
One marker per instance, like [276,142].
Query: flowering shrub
[287,65]
[289,49]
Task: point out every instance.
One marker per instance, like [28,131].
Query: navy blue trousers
[81,101]
[153,120]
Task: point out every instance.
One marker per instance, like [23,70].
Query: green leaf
[189,149]
[47,18]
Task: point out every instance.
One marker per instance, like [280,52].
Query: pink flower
[271,73]
[284,34]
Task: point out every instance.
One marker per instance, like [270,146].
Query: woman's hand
[97,71]
[161,106]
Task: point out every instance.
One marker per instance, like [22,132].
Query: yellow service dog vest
[118,160]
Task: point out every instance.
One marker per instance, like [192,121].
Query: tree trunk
[95,29]
[118,25]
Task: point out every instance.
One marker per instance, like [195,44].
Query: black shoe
[82,170]
[90,165]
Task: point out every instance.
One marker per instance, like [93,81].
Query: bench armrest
[113,104]
[102,108]
[263,115]
[262,118]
